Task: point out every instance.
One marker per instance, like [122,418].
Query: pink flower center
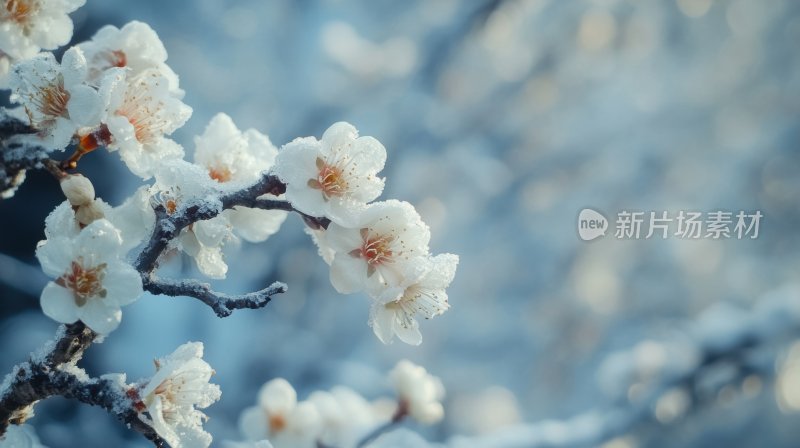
[376,250]
[330,180]
[20,10]
[51,101]
[84,282]
[220,174]
[276,423]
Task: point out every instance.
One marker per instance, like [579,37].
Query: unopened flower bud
[87,214]
[78,189]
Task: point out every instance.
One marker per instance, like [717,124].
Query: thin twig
[168,226]
[222,304]
[397,418]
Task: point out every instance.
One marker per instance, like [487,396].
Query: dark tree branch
[222,304]
[271,204]
[16,155]
[42,381]
[168,226]
[21,391]
[40,377]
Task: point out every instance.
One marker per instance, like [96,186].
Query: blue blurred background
[502,120]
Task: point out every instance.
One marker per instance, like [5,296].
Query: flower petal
[123,284]
[58,303]
[381,320]
[84,106]
[55,255]
[348,274]
[100,316]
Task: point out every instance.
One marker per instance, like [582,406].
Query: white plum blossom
[419,393]
[280,418]
[204,241]
[140,112]
[236,159]
[134,218]
[135,46]
[374,254]
[92,283]
[20,436]
[320,239]
[55,97]
[27,26]
[334,177]
[423,293]
[174,394]
[177,183]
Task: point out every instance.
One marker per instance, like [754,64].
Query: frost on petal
[135,219]
[320,238]
[85,106]
[135,47]
[55,255]
[231,156]
[91,283]
[28,26]
[211,262]
[141,111]
[73,66]
[374,253]
[174,395]
[49,92]
[421,292]
[255,225]
[334,177]
[99,240]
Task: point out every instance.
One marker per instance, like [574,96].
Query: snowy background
[502,120]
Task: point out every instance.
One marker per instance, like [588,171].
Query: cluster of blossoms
[339,417]
[174,394]
[116,91]
[28,26]
[380,248]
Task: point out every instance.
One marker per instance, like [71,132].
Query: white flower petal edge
[235,159]
[334,177]
[175,393]
[420,394]
[91,282]
[54,95]
[374,254]
[27,26]
[140,111]
[135,46]
[424,293]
